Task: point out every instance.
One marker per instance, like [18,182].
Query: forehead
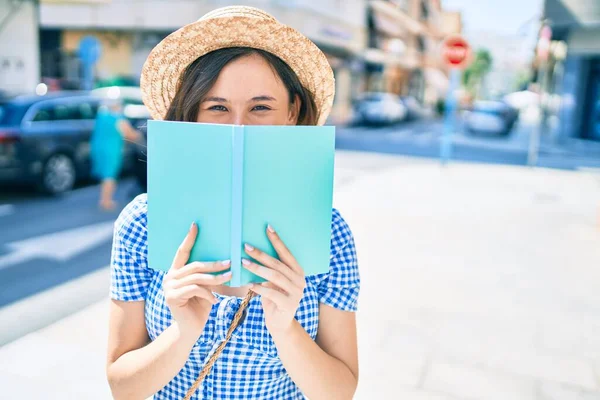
[247,75]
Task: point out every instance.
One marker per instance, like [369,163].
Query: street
[47,244]
[478,282]
[47,241]
[422,139]
[53,240]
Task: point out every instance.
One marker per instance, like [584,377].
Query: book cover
[233,181]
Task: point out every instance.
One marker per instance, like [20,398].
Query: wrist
[187,334]
[284,331]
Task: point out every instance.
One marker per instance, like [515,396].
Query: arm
[137,369]
[327,368]
[127,131]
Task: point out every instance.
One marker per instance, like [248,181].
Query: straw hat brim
[167,61]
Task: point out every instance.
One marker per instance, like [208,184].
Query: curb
[45,308]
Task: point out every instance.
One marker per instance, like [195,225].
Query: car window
[84,110]
[66,112]
[44,114]
[62,112]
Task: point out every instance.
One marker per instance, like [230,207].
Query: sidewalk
[479,282]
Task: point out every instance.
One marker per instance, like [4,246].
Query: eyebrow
[263,98]
[254,99]
[216,99]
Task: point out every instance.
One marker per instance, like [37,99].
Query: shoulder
[131,225]
[341,235]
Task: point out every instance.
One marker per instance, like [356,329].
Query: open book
[233,181]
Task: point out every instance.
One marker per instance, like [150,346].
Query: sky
[500,16]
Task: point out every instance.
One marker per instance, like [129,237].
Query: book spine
[237,203]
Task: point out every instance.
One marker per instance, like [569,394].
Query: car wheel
[58,175]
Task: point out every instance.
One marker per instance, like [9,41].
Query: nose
[240,118]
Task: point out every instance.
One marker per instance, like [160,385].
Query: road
[47,241]
[422,139]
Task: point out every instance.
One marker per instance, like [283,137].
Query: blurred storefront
[128,32]
[569,69]
[403,48]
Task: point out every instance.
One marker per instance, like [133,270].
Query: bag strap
[209,364]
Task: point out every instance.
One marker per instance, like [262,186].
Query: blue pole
[449,117]
[88,76]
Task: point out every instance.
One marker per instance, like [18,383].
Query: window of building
[424,10]
[421,44]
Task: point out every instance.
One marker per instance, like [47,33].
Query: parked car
[379,108]
[414,109]
[44,140]
[492,117]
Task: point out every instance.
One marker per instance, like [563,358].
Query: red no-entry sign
[456,51]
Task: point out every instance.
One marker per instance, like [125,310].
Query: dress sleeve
[130,275]
[341,286]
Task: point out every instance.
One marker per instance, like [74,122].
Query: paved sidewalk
[479,282]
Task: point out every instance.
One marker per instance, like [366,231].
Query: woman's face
[248,92]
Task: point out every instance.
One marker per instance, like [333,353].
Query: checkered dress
[249,367]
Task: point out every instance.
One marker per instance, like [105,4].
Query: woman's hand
[188,287]
[282,292]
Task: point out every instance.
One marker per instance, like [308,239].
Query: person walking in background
[110,132]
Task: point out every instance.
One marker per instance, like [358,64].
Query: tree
[476,72]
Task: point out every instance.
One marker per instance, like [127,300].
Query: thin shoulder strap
[234,324]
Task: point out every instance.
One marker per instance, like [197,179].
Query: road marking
[6,209]
[60,246]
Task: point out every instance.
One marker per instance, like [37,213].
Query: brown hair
[200,76]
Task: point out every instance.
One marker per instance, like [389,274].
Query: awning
[378,56]
[393,21]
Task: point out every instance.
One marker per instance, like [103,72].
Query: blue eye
[218,108]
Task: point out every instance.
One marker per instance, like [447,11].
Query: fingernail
[226,262]
[192,226]
[245,262]
[248,247]
[270,228]
[226,274]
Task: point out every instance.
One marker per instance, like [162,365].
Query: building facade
[574,77]
[19,55]
[404,45]
[128,32]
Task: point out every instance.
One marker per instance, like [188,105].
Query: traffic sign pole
[455,54]
[89,53]
[450,117]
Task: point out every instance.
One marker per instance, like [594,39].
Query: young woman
[183,334]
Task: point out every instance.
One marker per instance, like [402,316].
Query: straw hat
[235,26]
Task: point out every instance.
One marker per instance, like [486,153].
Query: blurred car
[492,117]
[414,109]
[45,140]
[379,108]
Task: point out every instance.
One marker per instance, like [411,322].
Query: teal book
[233,181]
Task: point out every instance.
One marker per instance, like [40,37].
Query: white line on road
[6,209]
[40,310]
[60,246]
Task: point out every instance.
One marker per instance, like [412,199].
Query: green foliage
[475,73]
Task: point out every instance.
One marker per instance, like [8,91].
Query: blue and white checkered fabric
[249,367]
